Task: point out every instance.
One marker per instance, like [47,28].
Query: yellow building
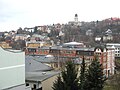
[5,45]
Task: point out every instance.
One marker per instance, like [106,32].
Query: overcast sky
[30,13]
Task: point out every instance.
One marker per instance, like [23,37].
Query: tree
[82,75]
[95,77]
[58,84]
[69,76]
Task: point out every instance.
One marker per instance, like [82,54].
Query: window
[27,84]
[34,86]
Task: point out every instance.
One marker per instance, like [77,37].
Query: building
[12,70]
[105,55]
[41,80]
[73,45]
[98,38]
[75,22]
[117,48]
[48,60]
[5,45]
[107,38]
[38,74]
[89,32]
[20,37]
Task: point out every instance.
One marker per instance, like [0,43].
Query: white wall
[12,68]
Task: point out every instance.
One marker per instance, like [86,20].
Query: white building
[12,70]
[117,48]
[75,22]
[110,61]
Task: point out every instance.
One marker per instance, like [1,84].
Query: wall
[48,83]
[12,68]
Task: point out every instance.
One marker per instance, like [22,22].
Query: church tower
[76,18]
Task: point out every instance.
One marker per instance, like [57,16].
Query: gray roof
[81,48]
[33,65]
[41,58]
[39,76]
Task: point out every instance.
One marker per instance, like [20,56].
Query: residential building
[89,32]
[5,45]
[117,48]
[107,38]
[98,38]
[20,37]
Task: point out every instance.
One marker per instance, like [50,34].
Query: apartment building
[117,48]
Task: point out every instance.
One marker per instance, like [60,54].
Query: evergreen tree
[94,78]
[82,75]
[58,84]
[69,76]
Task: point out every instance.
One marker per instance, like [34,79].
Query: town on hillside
[35,56]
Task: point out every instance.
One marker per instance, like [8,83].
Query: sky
[30,13]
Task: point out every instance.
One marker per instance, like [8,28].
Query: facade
[12,69]
[106,56]
[107,38]
[117,48]
[98,38]
[20,37]
[5,45]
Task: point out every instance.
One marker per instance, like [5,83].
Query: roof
[40,76]
[73,43]
[80,48]
[33,64]
[41,58]
[115,44]
[11,50]
[102,47]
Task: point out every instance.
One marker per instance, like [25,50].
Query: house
[5,45]
[98,38]
[41,80]
[20,37]
[12,70]
[108,32]
[38,75]
[107,38]
[89,32]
